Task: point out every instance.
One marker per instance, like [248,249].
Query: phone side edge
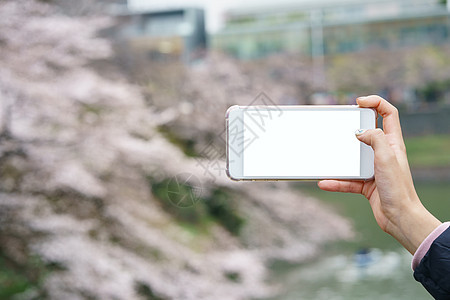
[369,174]
[227,151]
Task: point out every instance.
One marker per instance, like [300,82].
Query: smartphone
[306,142]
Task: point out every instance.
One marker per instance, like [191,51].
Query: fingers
[391,120]
[376,139]
[385,158]
[384,108]
[344,186]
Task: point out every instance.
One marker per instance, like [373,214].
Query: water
[335,274]
[337,277]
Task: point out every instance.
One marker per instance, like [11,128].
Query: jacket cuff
[425,246]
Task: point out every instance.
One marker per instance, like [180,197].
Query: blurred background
[112,182]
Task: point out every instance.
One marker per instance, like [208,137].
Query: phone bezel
[234,150]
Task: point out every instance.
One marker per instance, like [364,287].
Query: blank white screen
[303,143]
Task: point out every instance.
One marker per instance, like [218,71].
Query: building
[333,28]
[177,33]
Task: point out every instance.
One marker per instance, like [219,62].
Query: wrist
[413,224]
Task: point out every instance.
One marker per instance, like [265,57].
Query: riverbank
[429,157]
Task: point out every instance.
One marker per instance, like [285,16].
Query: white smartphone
[307,142]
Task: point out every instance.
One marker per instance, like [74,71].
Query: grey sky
[215,9]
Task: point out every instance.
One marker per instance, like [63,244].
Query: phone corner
[227,171]
[375,112]
[370,177]
[230,109]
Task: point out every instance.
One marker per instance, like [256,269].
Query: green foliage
[186,145]
[434,91]
[233,276]
[218,207]
[12,283]
[429,151]
[17,278]
[422,68]
[170,201]
[146,291]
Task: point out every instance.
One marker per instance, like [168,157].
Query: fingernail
[360,131]
[362,97]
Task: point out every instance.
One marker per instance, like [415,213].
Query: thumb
[374,138]
[385,156]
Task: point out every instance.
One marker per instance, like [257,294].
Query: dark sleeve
[433,270]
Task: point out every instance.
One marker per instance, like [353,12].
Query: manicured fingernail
[360,131]
[362,97]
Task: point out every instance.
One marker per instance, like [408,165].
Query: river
[334,274]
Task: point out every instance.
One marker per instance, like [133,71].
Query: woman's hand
[392,196]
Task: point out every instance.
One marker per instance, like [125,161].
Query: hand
[392,196]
